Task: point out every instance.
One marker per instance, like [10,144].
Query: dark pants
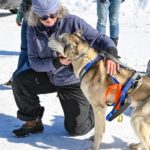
[78,114]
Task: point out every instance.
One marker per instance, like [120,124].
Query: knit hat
[45,7]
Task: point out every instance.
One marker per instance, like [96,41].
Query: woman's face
[49,20]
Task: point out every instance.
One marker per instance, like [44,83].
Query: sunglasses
[52,16]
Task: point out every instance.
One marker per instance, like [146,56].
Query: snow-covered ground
[134,43]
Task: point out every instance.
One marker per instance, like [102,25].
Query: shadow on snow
[5,14]
[54,136]
[5,52]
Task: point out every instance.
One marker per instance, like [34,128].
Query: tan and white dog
[95,83]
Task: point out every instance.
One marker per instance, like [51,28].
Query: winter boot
[115,40]
[30,127]
[8,83]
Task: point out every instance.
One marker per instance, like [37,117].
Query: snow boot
[115,40]
[30,127]
[8,83]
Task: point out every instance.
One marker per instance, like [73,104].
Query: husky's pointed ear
[79,33]
[63,39]
[62,36]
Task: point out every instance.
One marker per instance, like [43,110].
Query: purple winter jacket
[41,57]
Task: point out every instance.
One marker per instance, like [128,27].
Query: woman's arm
[101,43]
[36,62]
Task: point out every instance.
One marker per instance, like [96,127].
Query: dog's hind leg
[135,126]
[141,129]
[136,146]
[145,134]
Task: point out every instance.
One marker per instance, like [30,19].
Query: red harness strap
[118,93]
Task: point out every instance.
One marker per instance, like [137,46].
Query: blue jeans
[111,8]
[23,62]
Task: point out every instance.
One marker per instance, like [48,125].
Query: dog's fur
[94,85]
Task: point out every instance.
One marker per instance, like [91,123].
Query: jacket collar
[50,30]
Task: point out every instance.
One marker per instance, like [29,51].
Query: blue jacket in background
[42,58]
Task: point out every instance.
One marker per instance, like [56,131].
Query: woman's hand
[18,23]
[64,60]
[112,67]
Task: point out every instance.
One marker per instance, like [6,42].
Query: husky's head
[73,44]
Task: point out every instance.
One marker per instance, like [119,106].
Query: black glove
[113,51]
[57,63]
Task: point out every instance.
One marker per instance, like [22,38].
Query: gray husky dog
[95,83]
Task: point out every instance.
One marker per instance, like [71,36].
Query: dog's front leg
[99,115]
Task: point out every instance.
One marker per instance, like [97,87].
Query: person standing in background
[21,20]
[109,8]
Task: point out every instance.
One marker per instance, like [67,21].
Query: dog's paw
[90,148]
[134,146]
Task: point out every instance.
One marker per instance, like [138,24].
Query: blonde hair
[34,19]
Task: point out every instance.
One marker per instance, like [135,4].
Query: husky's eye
[67,47]
[70,48]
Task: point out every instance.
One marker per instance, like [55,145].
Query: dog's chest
[93,89]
